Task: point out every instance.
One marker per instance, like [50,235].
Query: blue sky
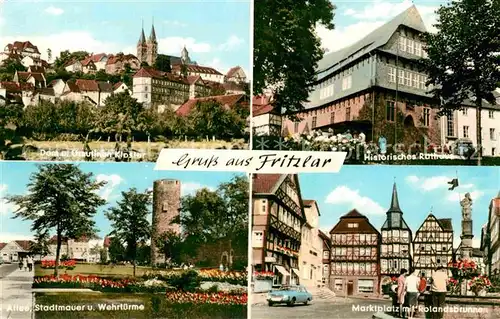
[120,177]
[216,33]
[355,19]
[420,190]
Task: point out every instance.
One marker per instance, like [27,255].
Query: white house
[120,87]
[311,248]
[206,73]
[236,75]
[462,125]
[265,120]
[46,94]
[58,86]
[11,252]
[100,61]
[91,91]
[77,249]
[74,66]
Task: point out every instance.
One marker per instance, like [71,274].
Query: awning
[282,270]
[296,271]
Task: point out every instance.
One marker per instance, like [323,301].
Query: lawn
[154,305]
[95,269]
[150,150]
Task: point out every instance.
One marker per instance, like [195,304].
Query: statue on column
[466,204]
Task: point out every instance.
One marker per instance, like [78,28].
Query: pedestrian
[30,263]
[20,264]
[25,264]
[412,283]
[422,287]
[401,291]
[438,290]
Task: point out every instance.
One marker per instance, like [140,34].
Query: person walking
[438,290]
[401,291]
[30,263]
[25,264]
[412,283]
[422,287]
[20,264]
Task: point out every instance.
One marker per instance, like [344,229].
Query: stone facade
[166,206]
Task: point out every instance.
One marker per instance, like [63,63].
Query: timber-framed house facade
[396,240]
[433,245]
[277,220]
[354,268]
[326,257]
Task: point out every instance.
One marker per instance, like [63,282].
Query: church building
[147,50]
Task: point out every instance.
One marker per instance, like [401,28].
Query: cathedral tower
[142,47]
[152,45]
[185,56]
[166,207]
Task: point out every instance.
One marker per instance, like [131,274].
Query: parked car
[289,295]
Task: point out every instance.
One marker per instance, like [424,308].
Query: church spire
[394,201]
[152,36]
[142,38]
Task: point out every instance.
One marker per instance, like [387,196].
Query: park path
[16,295]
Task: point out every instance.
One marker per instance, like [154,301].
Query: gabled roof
[36,69]
[232,71]
[376,39]
[24,244]
[21,46]
[21,75]
[193,78]
[71,62]
[72,87]
[37,76]
[311,203]
[364,224]
[227,101]
[13,87]
[323,236]
[264,183]
[117,85]
[97,57]
[87,61]
[194,68]
[87,85]
[2,245]
[149,72]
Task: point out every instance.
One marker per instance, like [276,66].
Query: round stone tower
[166,206]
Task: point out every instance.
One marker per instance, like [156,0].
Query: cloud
[231,43]
[54,11]
[174,45]
[429,183]
[190,188]
[456,197]
[112,182]
[367,19]
[346,196]
[5,206]
[175,23]
[8,237]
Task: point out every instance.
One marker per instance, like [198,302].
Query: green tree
[129,221]
[210,216]
[66,56]
[170,244]
[287,49]
[210,118]
[162,63]
[468,32]
[116,251]
[40,246]
[120,116]
[11,142]
[62,198]
[10,66]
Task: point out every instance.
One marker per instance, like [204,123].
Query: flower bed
[221,298]
[263,275]
[215,275]
[51,264]
[78,281]
[478,284]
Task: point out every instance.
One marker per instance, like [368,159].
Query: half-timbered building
[490,241]
[327,249]
[433,245]
[396,240]
[354,256]
[277,220]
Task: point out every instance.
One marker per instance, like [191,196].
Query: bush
[186,281]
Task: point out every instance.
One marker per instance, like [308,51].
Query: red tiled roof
[194,68]
[112,59]
[46,91]
[14,87]
[193,78]
[23,75]
[73,87]
[87,61]
[364,225]
[21,46]
[2,245]
[232,71]
[25,244]
[87,85]
[264,183]
[37,76]
[308,202]
[117,85]
[37,69]
[107,241]
[97,57]
[148,72]
[261,109]
[71,62]
[227,101]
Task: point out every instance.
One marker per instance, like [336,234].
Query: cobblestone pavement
[339,308]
